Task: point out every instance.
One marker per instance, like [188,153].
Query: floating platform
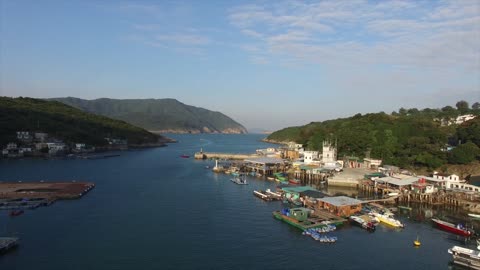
[310,223]
[41,193]
[7,243]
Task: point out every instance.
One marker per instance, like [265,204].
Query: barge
[299,218]
[7,243]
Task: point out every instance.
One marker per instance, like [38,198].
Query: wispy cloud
[441,34]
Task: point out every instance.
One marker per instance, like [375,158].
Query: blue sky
[268,64]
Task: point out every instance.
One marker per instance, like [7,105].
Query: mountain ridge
[166,115]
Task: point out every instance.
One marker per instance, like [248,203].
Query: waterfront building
[370,163]
[340,205]
[310,157]
[329,152]
[24,136]
[41,137]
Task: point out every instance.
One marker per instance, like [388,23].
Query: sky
[266,64]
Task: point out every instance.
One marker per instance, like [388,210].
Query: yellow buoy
[417,242]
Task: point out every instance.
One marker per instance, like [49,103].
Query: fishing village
[381,191]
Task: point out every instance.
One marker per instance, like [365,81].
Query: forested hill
[159,115]
[408,138]
[67,123]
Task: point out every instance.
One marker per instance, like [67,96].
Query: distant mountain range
[67,123]
[159,115]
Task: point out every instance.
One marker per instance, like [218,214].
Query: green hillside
[408,138]
[159,115]
[65,122]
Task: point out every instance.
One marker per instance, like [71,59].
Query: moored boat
[184,156]
[239,180]
[294,181]
[15,213]
[388,219]
[262,195]
[474,216]
[450,227]
[465,257]
[369,226]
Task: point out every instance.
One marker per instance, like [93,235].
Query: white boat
[275,194]
[391,194]
[388,219]
[474,215]
[239,180]
[466,257]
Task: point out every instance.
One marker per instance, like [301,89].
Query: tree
[402,111]
[476,106]
[464,153]
[462,106]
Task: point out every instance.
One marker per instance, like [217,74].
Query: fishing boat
[388,219]
[474,216]
[239,180]
[450,227]
[405,207]
[465,257]
[262,195]
[273,194]
[15,213]
[185,156]
[294,181]
[369,226]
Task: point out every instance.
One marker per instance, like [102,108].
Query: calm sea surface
[151,209]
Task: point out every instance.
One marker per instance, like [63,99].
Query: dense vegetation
[64,122]
[407,138]
[159,114]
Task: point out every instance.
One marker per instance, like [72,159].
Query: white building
[53,148]
[79,146]
[464,118]
[24,135]
[329,153]
[371,163]
[310,157]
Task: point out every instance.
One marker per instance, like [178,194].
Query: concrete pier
[210,155]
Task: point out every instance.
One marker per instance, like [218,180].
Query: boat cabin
[300,214]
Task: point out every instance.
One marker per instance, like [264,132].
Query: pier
[212,155]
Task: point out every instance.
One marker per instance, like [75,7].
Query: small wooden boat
[185,156]
[294,181]
[15,213]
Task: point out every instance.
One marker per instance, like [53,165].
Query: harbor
[191,198]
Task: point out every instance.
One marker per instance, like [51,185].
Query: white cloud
[442,34]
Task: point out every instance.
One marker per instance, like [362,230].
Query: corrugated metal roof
[265,160]
[396,181]
[298,189]
[340,201]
